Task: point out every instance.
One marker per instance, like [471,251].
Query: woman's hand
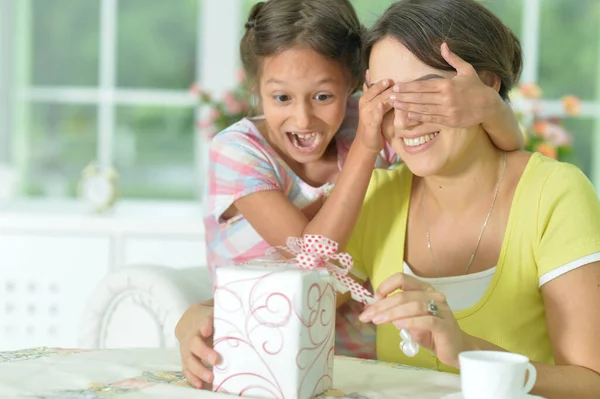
[376,101]
[465,100]
[409,309]
[194,332]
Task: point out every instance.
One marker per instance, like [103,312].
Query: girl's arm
[275,218]
[502,125]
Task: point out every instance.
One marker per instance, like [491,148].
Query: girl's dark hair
[471,31]
[329,27]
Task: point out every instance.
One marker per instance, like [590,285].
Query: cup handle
[531,378]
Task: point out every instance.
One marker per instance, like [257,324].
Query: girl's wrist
[364,148]
[495,105]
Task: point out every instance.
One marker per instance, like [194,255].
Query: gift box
[274,330]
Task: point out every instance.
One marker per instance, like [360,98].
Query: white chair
[139,306]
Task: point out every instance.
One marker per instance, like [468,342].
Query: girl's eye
[323,97]
[281,98]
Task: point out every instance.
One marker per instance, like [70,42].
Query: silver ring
[432,308]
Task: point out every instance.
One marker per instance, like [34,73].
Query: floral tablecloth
[156,373]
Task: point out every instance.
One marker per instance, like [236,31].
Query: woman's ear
[491,79]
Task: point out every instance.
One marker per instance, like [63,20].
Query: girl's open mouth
[306,141]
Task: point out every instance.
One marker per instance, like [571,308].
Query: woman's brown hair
[329,27]
[471,31]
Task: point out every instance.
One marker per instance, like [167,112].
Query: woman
[506,246]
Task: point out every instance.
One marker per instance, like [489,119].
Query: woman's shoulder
[553,176]
[554,187]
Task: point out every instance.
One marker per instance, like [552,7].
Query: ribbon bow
[316,251]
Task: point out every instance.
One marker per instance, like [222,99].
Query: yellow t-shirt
[554,219]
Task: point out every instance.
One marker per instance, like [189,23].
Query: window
[569,63]
[6,89]
[107,80]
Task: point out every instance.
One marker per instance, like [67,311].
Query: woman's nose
[402,121]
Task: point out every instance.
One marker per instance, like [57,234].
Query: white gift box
[274,327]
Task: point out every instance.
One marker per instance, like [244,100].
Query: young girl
[269,176]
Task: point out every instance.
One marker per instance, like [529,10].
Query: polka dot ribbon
[316,251]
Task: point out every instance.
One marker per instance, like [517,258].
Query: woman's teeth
[420,140]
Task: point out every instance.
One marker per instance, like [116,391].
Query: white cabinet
[52,255]
[43,281]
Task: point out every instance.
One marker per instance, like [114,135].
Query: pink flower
[540,128]
[205,124]
[214,114]
[547,150]
[557,136]
[232,104]
[241,75]
[530,90]
[195,89]
[572,105]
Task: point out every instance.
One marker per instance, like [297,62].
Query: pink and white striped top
[242,162]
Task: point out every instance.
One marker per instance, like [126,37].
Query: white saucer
[459,395]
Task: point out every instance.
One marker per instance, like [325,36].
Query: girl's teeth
[306,141]
[305,135]
[420,140]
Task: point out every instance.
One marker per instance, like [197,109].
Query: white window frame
[216,66]
[6,86]
[217,62]
[530,42]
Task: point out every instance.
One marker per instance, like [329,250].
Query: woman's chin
[421,167]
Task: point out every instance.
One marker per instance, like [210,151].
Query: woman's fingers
[427,323]
[420,337]
[410,309]
[401,305]
[400,281]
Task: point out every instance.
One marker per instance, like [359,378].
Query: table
[53,373]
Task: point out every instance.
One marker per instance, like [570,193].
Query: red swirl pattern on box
[258,320]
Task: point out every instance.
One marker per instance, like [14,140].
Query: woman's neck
[475,175]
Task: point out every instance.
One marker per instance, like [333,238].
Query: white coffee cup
[495,375]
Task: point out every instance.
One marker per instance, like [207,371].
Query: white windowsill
[127,216]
